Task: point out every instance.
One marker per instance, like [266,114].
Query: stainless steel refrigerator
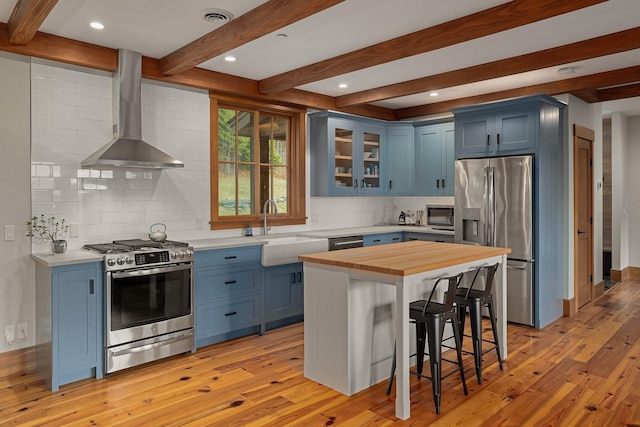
[494,207]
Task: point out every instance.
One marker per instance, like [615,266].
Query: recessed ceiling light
[230,58]
[433,94]
[97,25]
[343,85]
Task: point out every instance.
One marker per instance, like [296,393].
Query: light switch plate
[9,232]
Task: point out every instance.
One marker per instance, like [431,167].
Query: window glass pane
[280,187]
[280,140]
[245,136]
[245,189]
[266,129]
[226,135]
[226,189]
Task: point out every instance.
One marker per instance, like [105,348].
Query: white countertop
[374,229]
[74,256]
[79,256]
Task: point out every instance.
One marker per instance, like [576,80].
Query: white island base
[350,323]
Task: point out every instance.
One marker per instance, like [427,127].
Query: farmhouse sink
[285,249]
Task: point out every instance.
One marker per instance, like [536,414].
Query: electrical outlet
[9,333]
[22,331]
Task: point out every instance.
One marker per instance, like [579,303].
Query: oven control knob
[128,260]
[111,262]
[120,261]
[174,255]
[181,254]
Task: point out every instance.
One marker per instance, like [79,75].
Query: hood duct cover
[127,148]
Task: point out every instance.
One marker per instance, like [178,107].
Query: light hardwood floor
[583,370]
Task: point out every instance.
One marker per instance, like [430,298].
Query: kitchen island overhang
[350,301]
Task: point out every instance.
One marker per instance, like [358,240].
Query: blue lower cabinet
[228,294]
[383,239]
[283,295]
[69,323]
[428,237]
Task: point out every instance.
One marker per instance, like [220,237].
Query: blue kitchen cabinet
[382,239]
[69,323]
[283,295]
[509,129]
[228,294]
[428,237]
[346,152]
[434,160]
[399,152]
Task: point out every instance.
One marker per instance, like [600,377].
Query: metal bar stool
[430,317]
[475,299]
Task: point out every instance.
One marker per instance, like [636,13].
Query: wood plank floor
[580,371]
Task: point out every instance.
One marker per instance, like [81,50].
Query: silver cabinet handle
[517,267]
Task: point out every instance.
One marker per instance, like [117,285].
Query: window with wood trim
[257,154]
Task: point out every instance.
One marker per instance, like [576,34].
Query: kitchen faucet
[264,212]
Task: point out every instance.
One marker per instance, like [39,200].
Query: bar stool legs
[475,301]
[435,331]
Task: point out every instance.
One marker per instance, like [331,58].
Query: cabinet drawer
[227,315]
[214,283]
[221,257]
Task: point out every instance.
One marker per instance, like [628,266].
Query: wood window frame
[296,189]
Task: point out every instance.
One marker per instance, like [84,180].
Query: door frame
[585,134]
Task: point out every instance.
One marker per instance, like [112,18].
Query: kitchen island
[356,303]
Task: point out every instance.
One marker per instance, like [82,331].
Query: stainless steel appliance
[440,217]
[149,301]
[338,243]
[494,207]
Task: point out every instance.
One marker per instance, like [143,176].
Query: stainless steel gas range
[149,301]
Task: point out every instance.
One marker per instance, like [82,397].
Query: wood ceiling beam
[490,21]
[592,81]
[26,18]
[587,95]
[619,92]
[264,19]
[599,46]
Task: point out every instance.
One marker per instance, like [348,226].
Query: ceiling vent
[217,16]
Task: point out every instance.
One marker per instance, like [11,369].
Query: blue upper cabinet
[506,130]
[434,160]
[399,160]
[346,155]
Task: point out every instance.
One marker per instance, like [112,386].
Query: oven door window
[139,299]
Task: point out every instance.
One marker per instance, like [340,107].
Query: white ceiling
[158,27]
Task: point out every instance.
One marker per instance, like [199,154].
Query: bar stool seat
[430,317]
[475,299]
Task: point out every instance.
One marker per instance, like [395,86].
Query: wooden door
[583,214]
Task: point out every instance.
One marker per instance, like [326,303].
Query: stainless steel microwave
[439,217]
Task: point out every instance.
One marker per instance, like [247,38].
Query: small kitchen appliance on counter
[149,301]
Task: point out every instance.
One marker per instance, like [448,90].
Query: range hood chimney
[127,148]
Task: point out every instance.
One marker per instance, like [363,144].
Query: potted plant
[49,229]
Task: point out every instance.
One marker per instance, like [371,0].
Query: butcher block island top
[404,259]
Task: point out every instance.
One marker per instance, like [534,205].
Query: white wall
[589,116]
[625,139]
[17,289]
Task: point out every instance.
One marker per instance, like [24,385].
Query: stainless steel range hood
[127,148]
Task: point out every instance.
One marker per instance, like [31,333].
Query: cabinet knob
[92,284]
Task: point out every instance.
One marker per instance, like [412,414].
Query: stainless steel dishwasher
[348,242]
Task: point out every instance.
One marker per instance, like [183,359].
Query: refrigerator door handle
[514,267]
[491,208]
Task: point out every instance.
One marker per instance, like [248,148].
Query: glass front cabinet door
[346,158]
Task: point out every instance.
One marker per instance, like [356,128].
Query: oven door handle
[150,271]
[152,345]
